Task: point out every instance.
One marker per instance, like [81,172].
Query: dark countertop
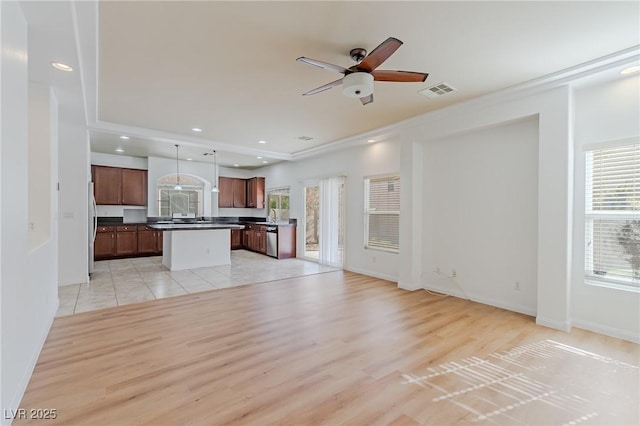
[105,221]
[192,226]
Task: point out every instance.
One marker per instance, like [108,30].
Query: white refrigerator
[93,225]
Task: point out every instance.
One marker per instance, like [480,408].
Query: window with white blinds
[612,215]
[382,213]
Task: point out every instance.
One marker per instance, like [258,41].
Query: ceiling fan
[358,79]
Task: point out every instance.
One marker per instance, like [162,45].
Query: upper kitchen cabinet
[233,192]
[134,187]
[225,196]
[117,186]
[255,192]
[239,193]
[107,185]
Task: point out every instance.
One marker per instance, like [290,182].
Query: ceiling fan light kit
[358,79]
[357,85]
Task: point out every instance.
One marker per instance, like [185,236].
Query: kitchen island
[195,245]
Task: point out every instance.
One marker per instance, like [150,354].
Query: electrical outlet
[517,286]
[453,273]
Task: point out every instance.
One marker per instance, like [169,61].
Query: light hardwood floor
[333,348]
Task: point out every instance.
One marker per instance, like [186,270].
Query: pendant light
[214,187]
[177,187]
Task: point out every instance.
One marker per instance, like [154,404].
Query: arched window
[187,200]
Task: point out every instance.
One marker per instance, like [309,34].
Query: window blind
[382,213]
[612,215]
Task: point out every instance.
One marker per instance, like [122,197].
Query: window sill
[611,285]
[382,249]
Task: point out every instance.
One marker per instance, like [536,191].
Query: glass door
[324,221]
[311,221]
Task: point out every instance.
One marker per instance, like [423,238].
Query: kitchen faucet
[272,219]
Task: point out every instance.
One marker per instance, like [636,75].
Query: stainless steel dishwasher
[272,241]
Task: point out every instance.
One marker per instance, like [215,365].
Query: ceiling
[230,68]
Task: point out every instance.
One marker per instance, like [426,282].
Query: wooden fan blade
[323,65]
[323,88]
[367,99]
[399,76]
[379,54]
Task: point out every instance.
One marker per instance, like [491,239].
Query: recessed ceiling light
[189,159]
[371,140]
[62,67]
[126,138]
[259,158]
[119,150]
[630,70]
[262,141]
[196,129]
[264,161]
[236,165]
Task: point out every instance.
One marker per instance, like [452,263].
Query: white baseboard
[22,387]
[607,330]
[410,286]
[372,274]
[557,325]
[456,292]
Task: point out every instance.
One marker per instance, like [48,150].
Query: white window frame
[590,215]
[279,192]
[368,212]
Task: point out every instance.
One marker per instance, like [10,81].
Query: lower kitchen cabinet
[118,241]
[286,242]
[254,238]
[147,240]
[104,246]
[159,241]
[236,239]
[126,240]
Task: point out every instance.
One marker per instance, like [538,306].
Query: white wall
[124,161]
[39,165]
[28,290]
[480,210]
[603,112]
[554,184]
[355,164]
[73,202]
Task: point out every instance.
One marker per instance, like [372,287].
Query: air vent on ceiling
[305,138]
[437,90]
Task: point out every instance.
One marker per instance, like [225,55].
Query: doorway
[312,221]
[324,221]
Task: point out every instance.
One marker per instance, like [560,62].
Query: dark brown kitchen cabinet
[233,192]
[159,242]
[239,193]
[104,246]
[236,239]
[225,196]
[118,186]
[286,242]
[261,240]
[255,192]
[107,185]
[126,240]
[147,240]
[134,187]
[255,238]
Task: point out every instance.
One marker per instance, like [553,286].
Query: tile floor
[125,281]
